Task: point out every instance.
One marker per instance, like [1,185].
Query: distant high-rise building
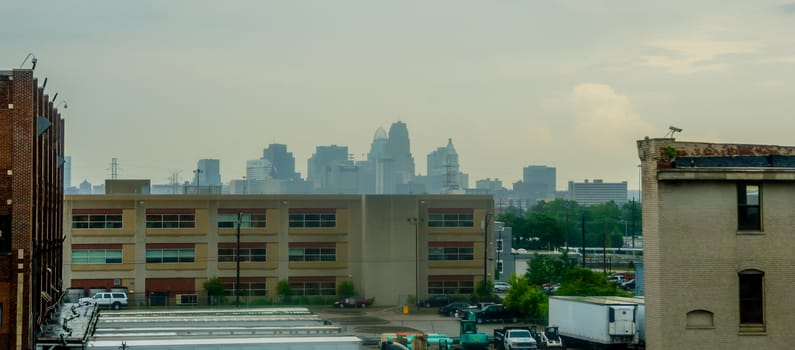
[538,183]
[85,187]
[67,171]
[321,165]
[399,149]
[597,192]
[444,175]
[258,169]
[282,162]
[377,164]
[207,173]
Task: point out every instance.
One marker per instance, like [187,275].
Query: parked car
[496,313]
[353,302]
[501,287]
[113,300]
[463,312]
[628,285]
[437,300]
[450,309]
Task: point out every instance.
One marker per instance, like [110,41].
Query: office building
[391,247]
[323,163]
[538,183]
[598,192]
[207,173]
[444,174]
[717,232]
[282,162]
[31,214]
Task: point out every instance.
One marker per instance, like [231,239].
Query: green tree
[548,269]
[585,282]
[529,299]
[215,289]
[346,289]
[484,291]
[284,290]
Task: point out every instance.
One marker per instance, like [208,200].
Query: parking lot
[370,323]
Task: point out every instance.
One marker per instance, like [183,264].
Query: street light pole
[485,253]
[416,222]
[237,261]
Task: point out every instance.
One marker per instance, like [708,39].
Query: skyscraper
[67,171]
[399,149]
[283,162]
[208,173]
[538,183]
[320,165]
[444,175]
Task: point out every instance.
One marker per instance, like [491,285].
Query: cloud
[783,59]
[696,55]
[605,121]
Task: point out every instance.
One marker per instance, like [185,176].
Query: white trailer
[599,320]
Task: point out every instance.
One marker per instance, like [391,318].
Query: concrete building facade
[391,247]
[718,230]
[597,192]
[31,208]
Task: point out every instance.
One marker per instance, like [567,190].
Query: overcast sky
[569,84]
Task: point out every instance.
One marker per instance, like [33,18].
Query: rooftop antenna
[33,60]
[671,131]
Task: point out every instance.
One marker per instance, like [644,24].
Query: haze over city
[568,84]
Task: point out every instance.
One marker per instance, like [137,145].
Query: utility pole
[583,240]
[237,261]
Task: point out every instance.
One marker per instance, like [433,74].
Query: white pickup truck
[514,338]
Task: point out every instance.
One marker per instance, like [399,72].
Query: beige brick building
[390,246]
[719,227]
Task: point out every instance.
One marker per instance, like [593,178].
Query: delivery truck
[603,321]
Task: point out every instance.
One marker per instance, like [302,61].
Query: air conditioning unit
[187,299]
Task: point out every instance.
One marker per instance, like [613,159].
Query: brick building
[718,225]
[31,208]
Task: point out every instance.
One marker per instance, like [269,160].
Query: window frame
[248,219]
[746,221]
[313,287]
[88,258]
[449,285]
[751,321]
[451,253]
[187,259]
[312,220]
[452,218]
[170,219]
[97,219]
[319,254]
[247,254]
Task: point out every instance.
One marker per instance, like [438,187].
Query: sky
[568,84]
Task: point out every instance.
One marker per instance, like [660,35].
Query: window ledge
[699,327]
[750,233]
[752,330]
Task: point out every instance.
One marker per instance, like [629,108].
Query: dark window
[310,220]
[450,286]
[313,254]
[450,220]
[96,256]
[247,220]
[170,221]
[162,256]
[309,288]
[96,221]
[246,254]
[752,298]
[450,253]
[749,216]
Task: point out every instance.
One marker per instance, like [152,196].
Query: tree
[284,290]
[527,298]
[215,289]
[585,282]
[548,269]
[346,289]
[484,291]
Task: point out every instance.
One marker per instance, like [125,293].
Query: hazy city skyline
[568,84]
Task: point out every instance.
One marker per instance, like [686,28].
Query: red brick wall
[172,285]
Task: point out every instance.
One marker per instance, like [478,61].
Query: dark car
[353,302]
[450,309]
[437,300]
[496,313]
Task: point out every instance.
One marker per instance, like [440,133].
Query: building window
[226,254]
[96,218]
[443,253]
[96,256]
[450,218]
[179,218]
[752,300]
[248,218]
[163,256]
[499,245]
[749,197]
[308,286]
[499,265]
[320,252]
[312,218]
[451,285]
[247,288]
